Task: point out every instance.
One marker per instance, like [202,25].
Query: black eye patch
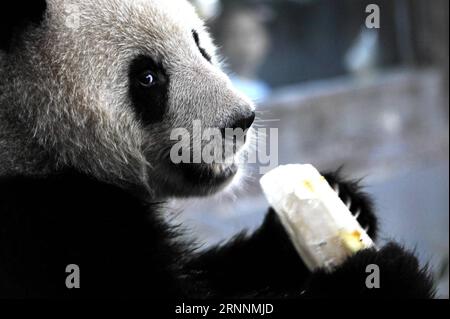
[149,98]
[202,51]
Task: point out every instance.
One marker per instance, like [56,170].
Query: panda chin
[199,180]
[211,177]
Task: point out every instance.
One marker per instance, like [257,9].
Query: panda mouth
[210,175]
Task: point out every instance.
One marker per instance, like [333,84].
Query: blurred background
[340,93]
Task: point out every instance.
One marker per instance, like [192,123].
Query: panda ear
[15,16]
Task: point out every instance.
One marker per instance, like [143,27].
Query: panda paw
[390,273]
[359,203]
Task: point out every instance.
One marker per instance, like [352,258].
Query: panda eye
[148,84]
[147,79]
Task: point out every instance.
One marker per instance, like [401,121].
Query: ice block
[319,224]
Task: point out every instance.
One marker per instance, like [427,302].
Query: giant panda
[89,93]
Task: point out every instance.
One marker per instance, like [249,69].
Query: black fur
[125,249]
[15,16]
[401,277]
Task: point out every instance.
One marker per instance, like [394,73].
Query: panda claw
[349,203]
[336,189]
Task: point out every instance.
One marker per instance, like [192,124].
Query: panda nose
[244,123]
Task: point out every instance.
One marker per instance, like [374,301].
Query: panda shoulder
[67,193]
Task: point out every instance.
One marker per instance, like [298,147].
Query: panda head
[101,85]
